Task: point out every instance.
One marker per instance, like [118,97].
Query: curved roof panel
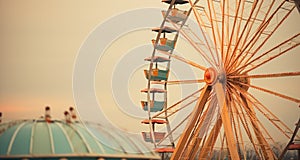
[39,139]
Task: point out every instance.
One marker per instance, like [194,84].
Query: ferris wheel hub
[210,76]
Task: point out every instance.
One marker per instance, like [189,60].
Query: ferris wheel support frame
[186,135]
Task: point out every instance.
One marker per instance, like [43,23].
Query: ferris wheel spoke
[249,131]
[215,28]
[181,82]
[272,92]
[224,26]
[270,24]
[268,136]
[275,121]
[177,103]
[261,24]
[204,45]
[260,20]
[282,127]
[268,59]
[204,30]
[234,31]
[233,56]
[184,60]
[271,75]
[198,45]
[182,107]
[257,129]
[253,20]
[174,129]
[244,38]
[271,54]
[264,33]
[268,139]
[244,120]
[244,117]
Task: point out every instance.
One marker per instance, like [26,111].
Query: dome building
[58,139]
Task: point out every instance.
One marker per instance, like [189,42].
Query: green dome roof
[39,139]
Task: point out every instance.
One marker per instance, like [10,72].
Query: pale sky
[40,41]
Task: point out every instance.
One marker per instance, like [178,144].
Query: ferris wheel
[235,39]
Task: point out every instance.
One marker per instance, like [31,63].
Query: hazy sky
[39,43]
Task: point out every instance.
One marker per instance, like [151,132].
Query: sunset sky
[40,42]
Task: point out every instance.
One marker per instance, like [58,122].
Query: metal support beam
[226,122]
[265,147]
[186,135]
[210,142]
[291,141]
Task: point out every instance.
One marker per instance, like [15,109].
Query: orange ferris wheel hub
[210,76]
